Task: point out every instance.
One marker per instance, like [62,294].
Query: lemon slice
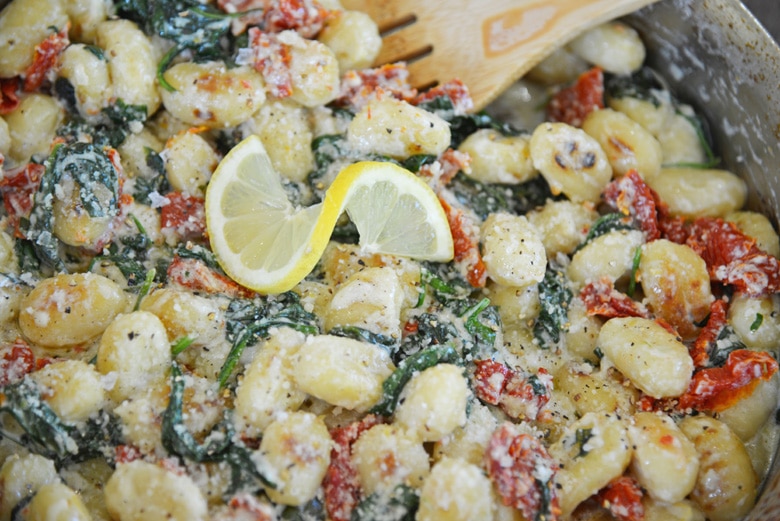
[266,244]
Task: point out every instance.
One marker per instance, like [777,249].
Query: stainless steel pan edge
[717,57]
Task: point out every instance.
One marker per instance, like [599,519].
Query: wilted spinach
[46,434]
[487,198]
[554,299]
[219,445]
[399,505]
[189,24]
[607,223]
[463,125]
[247,321]
[97,182]
[394,384]
[117,122]
[364,335]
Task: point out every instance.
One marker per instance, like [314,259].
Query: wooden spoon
[488,44]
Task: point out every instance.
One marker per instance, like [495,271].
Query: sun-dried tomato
[126,453]
[16,360]
[630,195]
[183,216]
[306,17]
[359,87]
[732,257]
[622,497]
[18,189]
[455,90]
[602,299]
[271,58]
[341,487]
[573,104]
[709,333]
[245,506]
[440,173]
[718,388]
[9,94]
[465,238]
[517,395]
[523,473]
[45,58]
[195,275]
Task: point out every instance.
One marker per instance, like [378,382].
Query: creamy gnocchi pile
[602,346]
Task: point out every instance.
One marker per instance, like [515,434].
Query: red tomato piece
[490,379]
[602,299]
[455,90]
[306,17]
[718,388]
[16,361]
[630,195]
[447,166]
[245,506]
[709,333]
[18,189]
[465,236]
[126,453]
[573,104]
[195,275]
[9,94]
[732,257]
[359,87]
[272,60]
[46,55]
[183,216]
[523,473]
[340,486]
[623,499]
[518,396]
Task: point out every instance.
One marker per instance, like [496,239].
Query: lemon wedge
[266,244]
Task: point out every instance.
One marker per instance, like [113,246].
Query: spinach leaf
[28,259]
[314,510]
[118,120]
[414,163]
[364,335]
[200,253]
[158,183]
[399,505]
[432,330]
[219,445]
[247,321]
[130,257]
[728,340]
[607,223]
[463,125]
[97,182]
[581,438]
[392,387]
[46,434]
[487,198]
[482,321]
[445,282]
[178,440]
[642,84]
[189,24]
[702,132]
[554,298]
